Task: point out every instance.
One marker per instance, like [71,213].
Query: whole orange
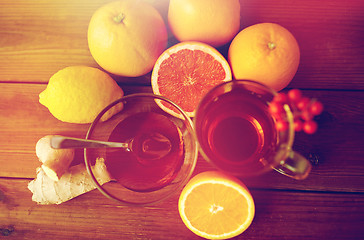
[126,37]
[214,22]
[267,53]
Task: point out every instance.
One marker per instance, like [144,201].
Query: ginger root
[55,161]
[74,182]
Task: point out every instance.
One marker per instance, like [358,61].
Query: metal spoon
[69,142]
[147,147]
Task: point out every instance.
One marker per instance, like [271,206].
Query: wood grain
[329,34]
[39,38]
[337,144]
[336,149]
[23,121]
[279,215]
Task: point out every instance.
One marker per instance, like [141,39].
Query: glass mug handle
[295,166]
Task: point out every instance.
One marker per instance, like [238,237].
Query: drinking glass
[237,134]
[162,150]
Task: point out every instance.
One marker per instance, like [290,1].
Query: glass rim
[246,81]
[189,124]
[290,131]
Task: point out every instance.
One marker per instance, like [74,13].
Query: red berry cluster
[303,108]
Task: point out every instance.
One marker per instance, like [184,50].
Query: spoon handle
[69,142]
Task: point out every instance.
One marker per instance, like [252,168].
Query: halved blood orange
[185,72]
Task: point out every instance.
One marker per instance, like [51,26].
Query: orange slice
[216,206]
[185,72]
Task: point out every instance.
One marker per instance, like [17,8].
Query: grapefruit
[214,22]
[185,72]
[126,37]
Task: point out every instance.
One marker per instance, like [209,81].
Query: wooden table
[37,38]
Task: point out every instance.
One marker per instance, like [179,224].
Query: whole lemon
[126,37]
[267,53]
[77,94]
[214,22]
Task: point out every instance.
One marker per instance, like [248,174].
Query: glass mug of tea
[237,133]
[161,150]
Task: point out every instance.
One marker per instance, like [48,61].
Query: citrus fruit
[267,53]
[186,71]
[77,94]
[214,22]
[126,37]
[216,206]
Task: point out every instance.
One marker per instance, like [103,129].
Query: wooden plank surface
[23,121]
[279,215]
[337,145]
[330,36]
[37,38]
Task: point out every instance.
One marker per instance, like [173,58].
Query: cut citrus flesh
[216,206]
[185,72]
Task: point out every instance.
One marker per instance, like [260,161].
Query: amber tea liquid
[156,153]
[236,132]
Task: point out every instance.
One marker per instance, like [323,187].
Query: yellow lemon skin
[76,94]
